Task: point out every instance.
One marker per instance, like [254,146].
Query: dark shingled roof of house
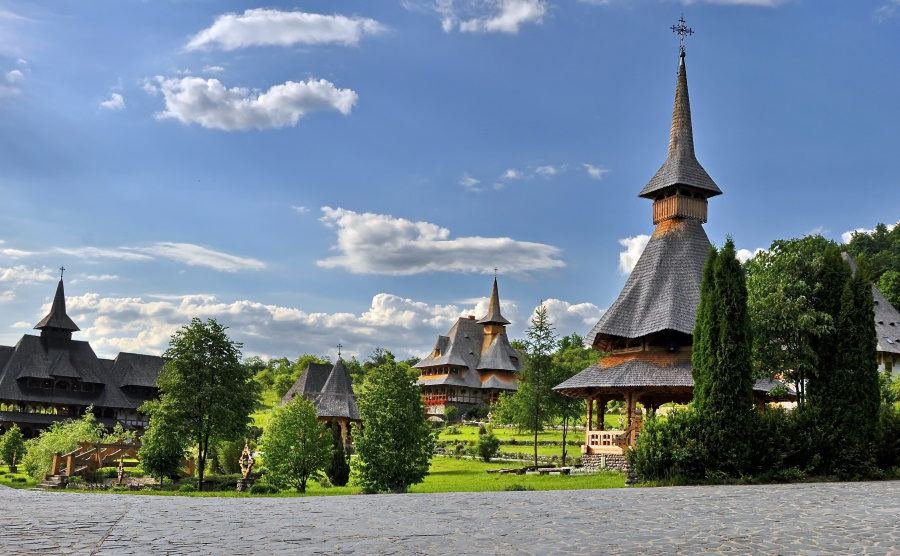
[663,290]
[887,323]
[681,166]
[887,318]
[336,398]
[643,374]
[462,348]
[57,317]
[310,383]
[52,357]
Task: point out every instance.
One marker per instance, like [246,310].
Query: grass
[446,475]
[15,480]
[268,400]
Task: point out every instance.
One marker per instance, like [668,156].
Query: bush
[263,488]
[488,446]
[62,437]
[454,430]
[228,455]
[518,487]
[451,413]
[187,487]
[669,449]
[338,470]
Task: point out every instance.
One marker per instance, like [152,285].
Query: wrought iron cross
[683,31]
[62,270]
[339,346]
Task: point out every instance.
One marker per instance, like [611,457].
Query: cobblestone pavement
[784,519]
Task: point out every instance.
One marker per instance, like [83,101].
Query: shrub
[451,413]
[228,455]
[454,430]
[187,487]
[488,446]
[263,488]
[670,449]
[61,437]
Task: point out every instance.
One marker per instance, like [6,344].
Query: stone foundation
[596,462]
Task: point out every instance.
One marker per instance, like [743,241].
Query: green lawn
[470,432]
[15,480]
[452,475]
[268,400]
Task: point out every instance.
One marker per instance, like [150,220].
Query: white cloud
[370,243]
[207,102]
[213,69]
[848,235]
[490,16]
[595,172]
[187,253]
[268,27]
[634,246]
[511,174]
[407,327]
[14,76]
[745,255]
[115,102]
[469,182]
[20,274]
[196,255]
[570,317]
[299,209]
[887,10]
[548,171]
[145,324]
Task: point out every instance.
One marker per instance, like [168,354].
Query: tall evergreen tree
[833,274]
[856,413]
[722,366]
[540,341]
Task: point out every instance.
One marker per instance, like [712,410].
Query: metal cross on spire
[339,346]
[62,271]
[683,31]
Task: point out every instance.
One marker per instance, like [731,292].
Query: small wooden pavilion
[647,332]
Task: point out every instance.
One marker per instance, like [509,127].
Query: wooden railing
[603,442]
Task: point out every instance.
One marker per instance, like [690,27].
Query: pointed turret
[336,398]
[493,315]
[57,319]
[681,168]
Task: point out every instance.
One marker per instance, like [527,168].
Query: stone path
[780,519]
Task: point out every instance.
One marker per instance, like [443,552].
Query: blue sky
[346,171]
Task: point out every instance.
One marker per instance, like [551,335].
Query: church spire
[493,315]
[57,318]
[681,167]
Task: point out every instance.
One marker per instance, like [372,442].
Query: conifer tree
[856,410]
[537,375]
[722,362]
[338,470]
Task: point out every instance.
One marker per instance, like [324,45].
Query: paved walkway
[783,519]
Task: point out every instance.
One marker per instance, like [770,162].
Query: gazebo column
[601,414]
[589,418]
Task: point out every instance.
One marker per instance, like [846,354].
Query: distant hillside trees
[880,252]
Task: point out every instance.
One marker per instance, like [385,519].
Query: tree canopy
[204,389]
[395,443]
[296,445]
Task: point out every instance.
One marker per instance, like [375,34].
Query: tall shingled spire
[493,315]
[681,167]
[57,317]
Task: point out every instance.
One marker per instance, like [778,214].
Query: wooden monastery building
[647,332]
[330,389]
[472,365]
[52,377]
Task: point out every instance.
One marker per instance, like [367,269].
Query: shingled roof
[310,383]
[336,398]
[663,290]
[643,374]
[887,323]
[493,315]
[462,348]
[681,166]
[57,317]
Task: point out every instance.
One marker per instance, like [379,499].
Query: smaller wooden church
[51,377]
[472,365]
[330,389]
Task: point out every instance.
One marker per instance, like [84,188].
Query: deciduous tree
[296,445]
